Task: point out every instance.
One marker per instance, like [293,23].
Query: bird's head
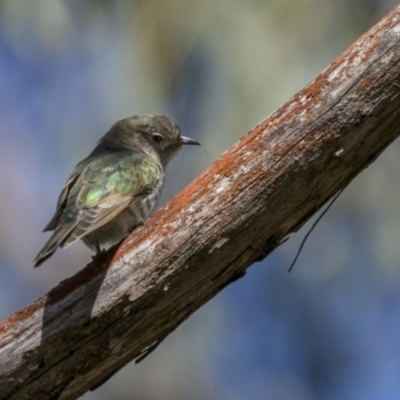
[156,135]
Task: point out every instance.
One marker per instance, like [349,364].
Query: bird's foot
[99,251]
[140,223]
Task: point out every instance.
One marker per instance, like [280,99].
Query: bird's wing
[97,191]
[107,186]
[62,198]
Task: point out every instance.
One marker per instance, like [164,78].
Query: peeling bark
[122,305]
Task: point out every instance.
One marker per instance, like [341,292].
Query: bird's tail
[56,239]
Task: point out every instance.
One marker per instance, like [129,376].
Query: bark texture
[122,305]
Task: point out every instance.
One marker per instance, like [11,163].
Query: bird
[116,187]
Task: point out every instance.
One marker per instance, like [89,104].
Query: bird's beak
[188,140]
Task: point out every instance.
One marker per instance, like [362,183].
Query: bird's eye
[157,137]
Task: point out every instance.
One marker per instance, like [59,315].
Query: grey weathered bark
[235,213]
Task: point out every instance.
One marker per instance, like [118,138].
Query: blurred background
[69,69]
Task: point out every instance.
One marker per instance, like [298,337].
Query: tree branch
[276,177]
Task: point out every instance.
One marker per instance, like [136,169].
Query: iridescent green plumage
[117,186]
[115,177]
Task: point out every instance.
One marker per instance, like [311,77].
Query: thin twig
[314,225]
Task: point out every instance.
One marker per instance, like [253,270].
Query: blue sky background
[68,69]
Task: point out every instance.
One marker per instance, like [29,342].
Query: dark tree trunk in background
[277,176]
